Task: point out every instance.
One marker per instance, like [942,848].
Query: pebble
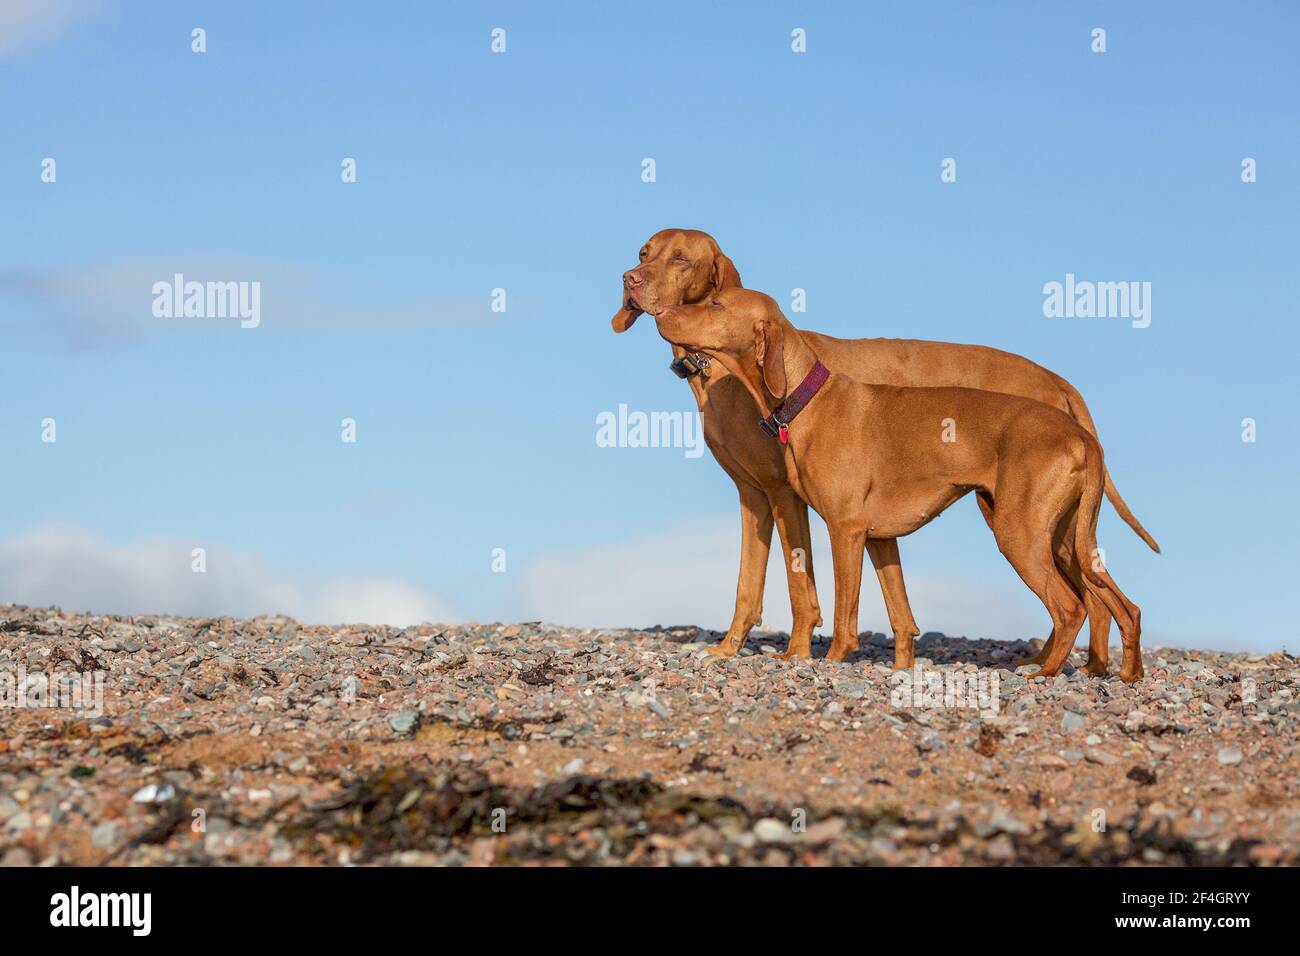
[403,722]
[769,830]
[1005,823]
[826,831]
[1071,721]
[1001,849]
[1230,756]
[153,793]
[104,835]
[851,688]
[930,740]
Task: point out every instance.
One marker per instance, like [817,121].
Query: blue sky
[522,171]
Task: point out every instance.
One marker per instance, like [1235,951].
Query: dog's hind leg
[1099,616]
[1030,553]
[889,570]
[1096,578]
[985,501]
[755,544]
[1129,618]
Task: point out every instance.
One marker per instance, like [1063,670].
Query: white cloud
[690,578]
[26,23]
[373,601]
[78,571]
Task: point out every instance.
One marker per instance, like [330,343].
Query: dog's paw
[1044,672]
[839,652]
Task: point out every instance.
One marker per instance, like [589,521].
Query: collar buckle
[776,428]
[690,365]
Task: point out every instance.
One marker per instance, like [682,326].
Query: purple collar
[778,423]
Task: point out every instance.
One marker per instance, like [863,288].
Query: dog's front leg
[755,545]
[846,553]
[796,544]
[889,571]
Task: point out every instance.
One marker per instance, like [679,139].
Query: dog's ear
[724,275]
[769,346]
[624,318]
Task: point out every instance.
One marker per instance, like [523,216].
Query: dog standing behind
[882,461]
[686,267]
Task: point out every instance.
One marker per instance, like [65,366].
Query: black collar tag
[690,365]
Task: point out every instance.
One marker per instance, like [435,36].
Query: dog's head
[678,266]
[739,326]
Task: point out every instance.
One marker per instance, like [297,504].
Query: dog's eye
[715,303]
[641,255]
[682,259]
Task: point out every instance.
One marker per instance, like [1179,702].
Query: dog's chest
[730,416]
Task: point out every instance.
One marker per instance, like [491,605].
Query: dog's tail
[1081,415]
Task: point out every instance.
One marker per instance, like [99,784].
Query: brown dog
[684,266]
[881,461]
